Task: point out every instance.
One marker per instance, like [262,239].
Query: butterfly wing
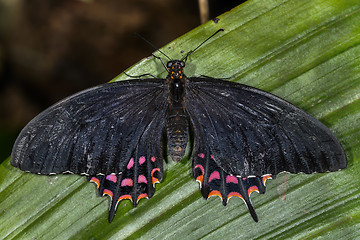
[215,182]
[244,135]
[252,133]
[96,131]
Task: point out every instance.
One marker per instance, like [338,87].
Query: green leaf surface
[307,52]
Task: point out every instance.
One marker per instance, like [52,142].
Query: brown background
[50,49]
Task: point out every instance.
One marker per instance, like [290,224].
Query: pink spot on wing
[201,155]
[201,168]
[111,177]
[214,175]
[141,160]
[127,182]
[142,179]
[153,159]
[231,179]
[131,163]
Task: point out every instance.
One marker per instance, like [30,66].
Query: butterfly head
[175,69]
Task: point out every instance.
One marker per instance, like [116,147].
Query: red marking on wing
[143,195]
[142,179]
[252,189]
[231,179]
[266,177]
[127,182]
[154,179]
[234,194]
[131,163]
[199,179]
[141,160]
[108,192]
[127,196]
[215,193]
[201,168]
[112,177]
[201,155]
[96,181]
[214,175]
[153,159]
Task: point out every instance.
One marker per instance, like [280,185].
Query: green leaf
[304,51]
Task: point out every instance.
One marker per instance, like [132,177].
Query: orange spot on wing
[108,192]
[199,179]
[127,196]
[154,180]
[252,189]
[143,195]
[234,194]
[215,193]
[266,177]
[96,181]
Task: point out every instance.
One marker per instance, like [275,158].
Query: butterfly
[118,134]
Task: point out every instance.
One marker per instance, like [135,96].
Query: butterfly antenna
[152,45]
[188,54]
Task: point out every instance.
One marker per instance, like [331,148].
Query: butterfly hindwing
[137,180]
[216,182]
[96,131]
[253,133]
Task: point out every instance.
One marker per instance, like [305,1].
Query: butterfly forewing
[95,131]
[253,133]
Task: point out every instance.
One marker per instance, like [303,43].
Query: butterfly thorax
[177,118]
[176,80]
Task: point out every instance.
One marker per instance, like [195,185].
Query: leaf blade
[304,52]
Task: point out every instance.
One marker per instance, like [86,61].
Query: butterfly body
[114,133]
[177,123]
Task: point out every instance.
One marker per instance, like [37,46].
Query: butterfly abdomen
[177,133]
[177,125]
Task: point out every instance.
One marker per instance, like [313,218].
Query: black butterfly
[115,133]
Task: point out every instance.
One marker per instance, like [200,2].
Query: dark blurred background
[50,49]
